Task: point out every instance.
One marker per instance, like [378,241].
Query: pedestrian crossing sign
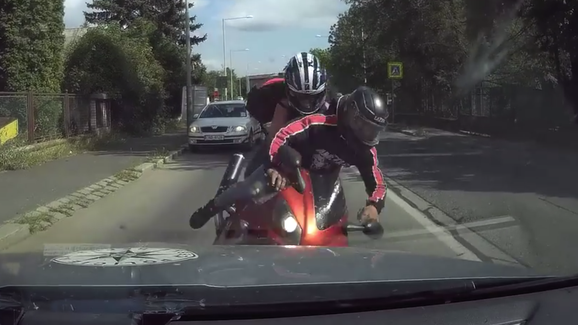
[395,70]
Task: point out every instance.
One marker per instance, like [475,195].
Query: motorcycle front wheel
[220,222]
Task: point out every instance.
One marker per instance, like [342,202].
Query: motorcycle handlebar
[256,184]
[373,229]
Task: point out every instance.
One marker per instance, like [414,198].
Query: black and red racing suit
[262,104]
[262,101]
[322,148]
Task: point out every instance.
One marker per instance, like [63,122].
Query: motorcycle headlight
[289,224]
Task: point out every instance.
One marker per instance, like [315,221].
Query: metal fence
[498,110]
[44,116]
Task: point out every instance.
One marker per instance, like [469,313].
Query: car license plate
[214,137]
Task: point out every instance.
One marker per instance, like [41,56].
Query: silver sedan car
[224,123]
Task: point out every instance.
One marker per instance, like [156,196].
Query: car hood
[221,121]
[169,264]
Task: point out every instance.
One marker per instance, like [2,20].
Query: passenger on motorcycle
[302,91]
[328,142]
[348,137]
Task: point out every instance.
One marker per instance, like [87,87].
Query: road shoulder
[459,237]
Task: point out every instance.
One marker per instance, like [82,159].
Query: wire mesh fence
[495,109]
[41,116]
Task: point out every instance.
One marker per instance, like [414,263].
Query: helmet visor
[365,131]
[306,103]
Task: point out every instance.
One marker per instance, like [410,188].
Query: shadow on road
[144,146]
[206,159]
[480,165]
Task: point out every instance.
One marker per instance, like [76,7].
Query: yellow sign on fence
[8,129]
[395,70]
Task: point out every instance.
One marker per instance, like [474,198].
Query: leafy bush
[119,62]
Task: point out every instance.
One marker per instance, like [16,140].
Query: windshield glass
[130,158]
[224,110]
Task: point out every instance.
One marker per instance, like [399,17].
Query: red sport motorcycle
[311,212]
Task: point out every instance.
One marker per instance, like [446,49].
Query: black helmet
[363,116]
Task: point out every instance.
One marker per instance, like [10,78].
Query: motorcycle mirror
[354,227]
[289,157]
[373,230]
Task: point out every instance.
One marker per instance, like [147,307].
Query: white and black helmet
[306,83]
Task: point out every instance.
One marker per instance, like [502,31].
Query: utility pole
[189,113]
[225,58]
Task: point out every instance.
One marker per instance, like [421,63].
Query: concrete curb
[22,226]
[413,133]
[404,130]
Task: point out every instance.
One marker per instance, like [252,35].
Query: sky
[262,44]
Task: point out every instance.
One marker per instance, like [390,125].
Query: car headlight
[239,128]
[195,129]
[289,224]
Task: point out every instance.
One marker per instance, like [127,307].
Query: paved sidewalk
[24,190]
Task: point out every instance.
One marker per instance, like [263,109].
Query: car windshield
[130,158]
[224,110]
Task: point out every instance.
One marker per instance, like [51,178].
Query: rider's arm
[280,118]
[373,179]
[298,131]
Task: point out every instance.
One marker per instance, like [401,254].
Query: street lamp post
[189,87]
[225,45]
[247,79]
[231,68]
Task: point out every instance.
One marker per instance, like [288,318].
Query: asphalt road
[520,197]
[156,208]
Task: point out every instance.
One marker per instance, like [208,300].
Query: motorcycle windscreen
[330,205]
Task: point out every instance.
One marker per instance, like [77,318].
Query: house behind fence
[44,116]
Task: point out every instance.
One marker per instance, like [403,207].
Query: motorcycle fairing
[254,228]
[329,198]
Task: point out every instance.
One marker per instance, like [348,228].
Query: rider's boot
[204,214]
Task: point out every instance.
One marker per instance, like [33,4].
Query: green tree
[167,39]
[120,62]
[556,31]
[31,45]
[168,15]
[31,52]
[447,48]
[211,80]
[323,55]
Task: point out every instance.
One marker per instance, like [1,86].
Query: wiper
[11,309]
[9,301]
[534,284]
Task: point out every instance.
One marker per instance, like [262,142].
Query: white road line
[477,242]
[437,229]
[443,235]
[434,154]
